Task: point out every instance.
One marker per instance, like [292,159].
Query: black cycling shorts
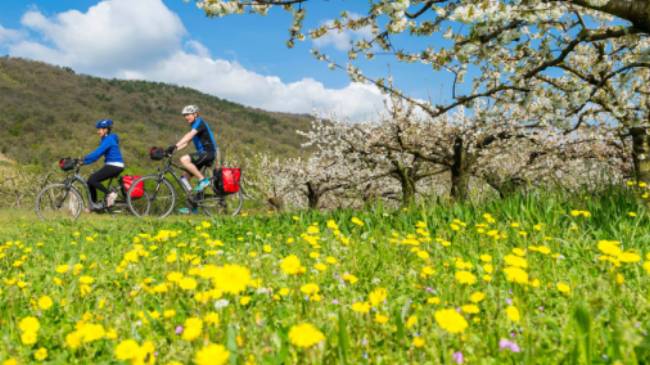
[201,159]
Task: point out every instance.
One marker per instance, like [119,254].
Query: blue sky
[240,58]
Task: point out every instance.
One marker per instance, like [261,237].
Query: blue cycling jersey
[109,148]
[204,139]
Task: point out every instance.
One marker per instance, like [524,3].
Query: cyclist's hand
[79,161]
[171,149]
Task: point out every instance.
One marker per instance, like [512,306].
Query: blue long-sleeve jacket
[109,148]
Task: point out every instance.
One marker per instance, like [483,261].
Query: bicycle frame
[76,177]
[170,168]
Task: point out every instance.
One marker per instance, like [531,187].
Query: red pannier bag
[127,181]
[229,179]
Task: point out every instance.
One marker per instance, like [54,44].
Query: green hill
[47,112]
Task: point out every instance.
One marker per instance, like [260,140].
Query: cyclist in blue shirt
[109,147]
[206,147]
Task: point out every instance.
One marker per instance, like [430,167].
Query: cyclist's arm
[186,139]
[99,152]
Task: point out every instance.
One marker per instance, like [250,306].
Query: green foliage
[47,112]
[602,319]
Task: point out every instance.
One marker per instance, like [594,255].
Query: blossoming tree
[570,62]
[493,145]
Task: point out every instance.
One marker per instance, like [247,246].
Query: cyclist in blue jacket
[109,147]
[206,149]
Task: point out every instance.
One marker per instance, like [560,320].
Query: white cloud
[8,35]
[342,39]
[112,34]
[232,81]
[143,39]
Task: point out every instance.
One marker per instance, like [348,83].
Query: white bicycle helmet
[190,109]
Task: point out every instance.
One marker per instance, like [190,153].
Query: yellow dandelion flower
[465,277]
[411,321]
[488,268]
[45,302]
[361,307]
[212,355]
[169,313]
[29,324]
[350,278]
[477,297]
[305,335]
[377,296]
[192,329]
[380,318]
[620,279]
[450,320]
[212,318]
[563,288]
[513,313]
[232,279]
[629,257]
[470,308]
[187,283]
[291,265]
[516,275]
[40,354]
[611,248]
[127,350]
[86,280]
[516,261]
[73,340]
[309,288]
[29,337]
[485,258]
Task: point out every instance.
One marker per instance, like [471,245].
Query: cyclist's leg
[188,163]
[205,159]
[95,180]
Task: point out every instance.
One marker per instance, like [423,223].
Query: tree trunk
[640,150]
[408,189]
[313,196]
[459,173]
[406,181]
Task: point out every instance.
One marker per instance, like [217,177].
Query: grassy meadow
[546,278]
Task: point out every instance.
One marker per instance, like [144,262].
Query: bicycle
[162,195]
[65,199]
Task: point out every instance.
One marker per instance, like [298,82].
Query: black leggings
[95,180]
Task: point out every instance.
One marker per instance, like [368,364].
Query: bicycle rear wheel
[57,201]
[158,199]
[215,204]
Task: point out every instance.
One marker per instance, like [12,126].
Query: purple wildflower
[458,357]
[509,345]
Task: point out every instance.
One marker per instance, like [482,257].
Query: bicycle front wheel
[57,201]
[157,200]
